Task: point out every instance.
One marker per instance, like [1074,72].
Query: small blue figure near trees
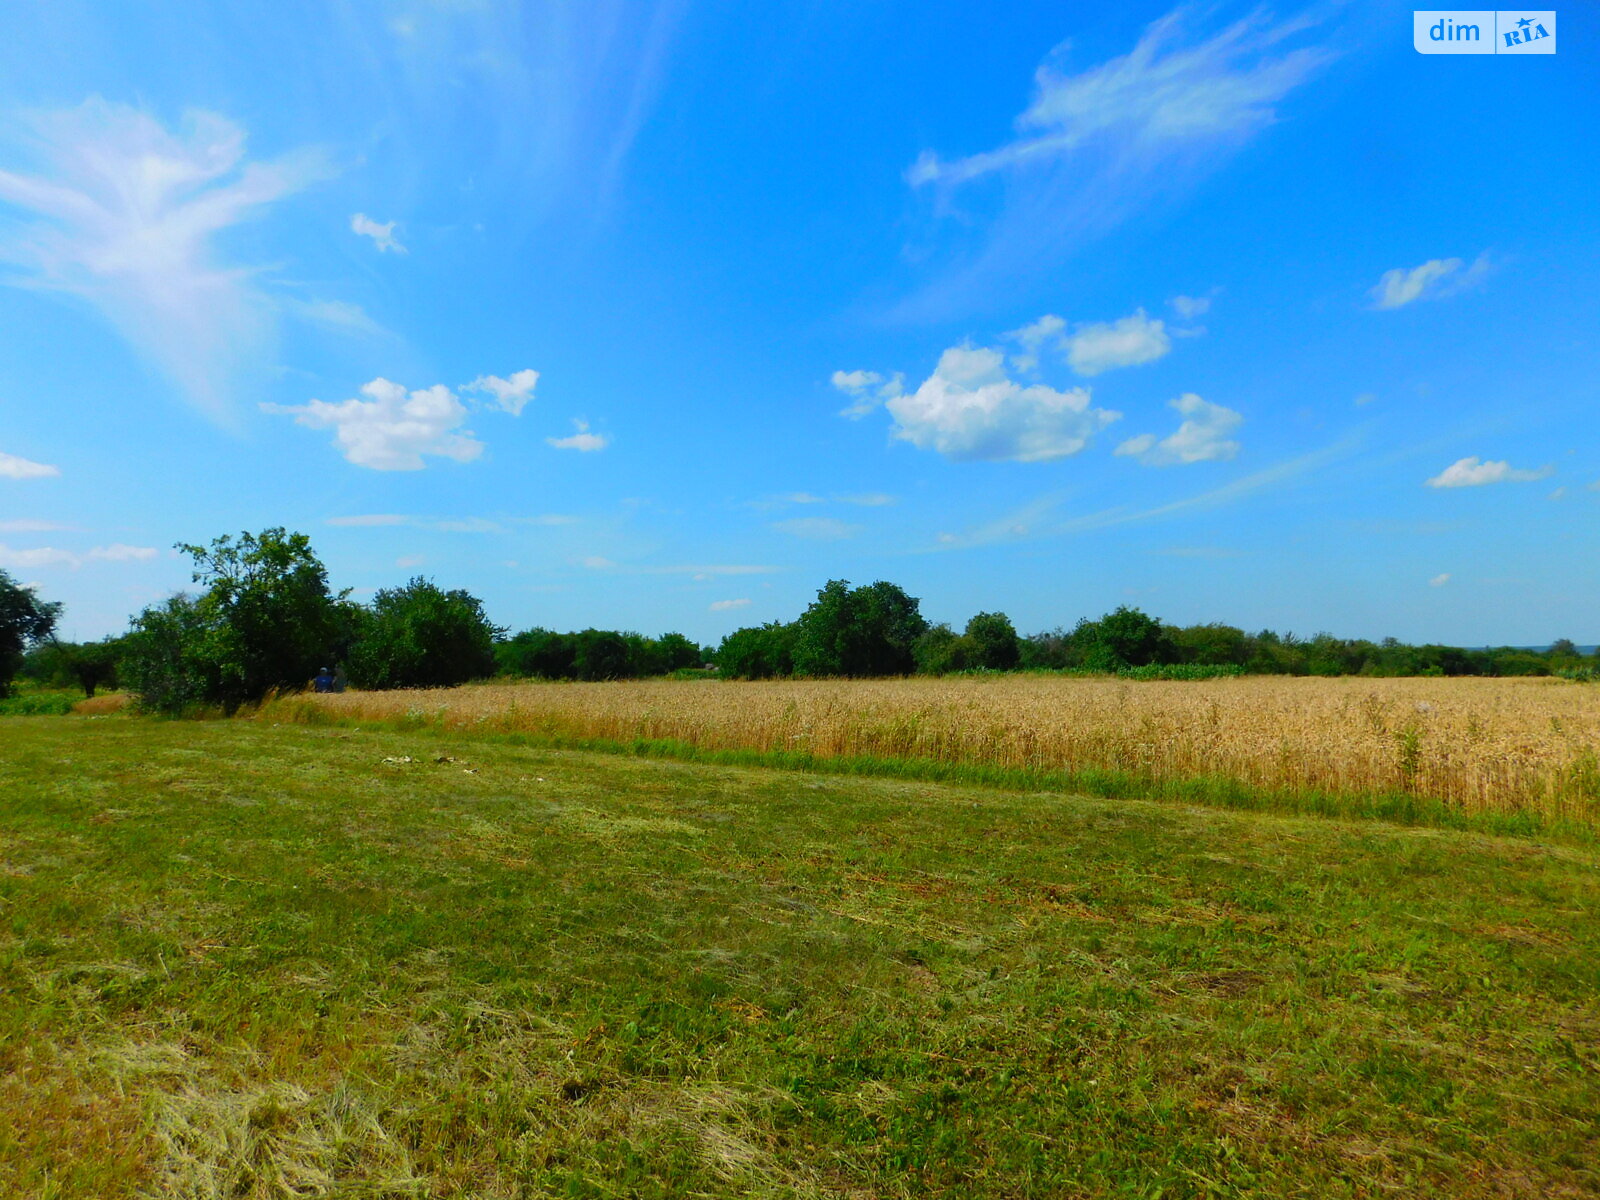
[323,681]
[1527,30]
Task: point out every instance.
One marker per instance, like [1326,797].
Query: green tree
[995,645]
[266,620]
[538,652]
[600,654]
[940,650]
[24,621]
[757,652]
[864,631]
[167,662]
[1124,638]
[422,636]
[88,665]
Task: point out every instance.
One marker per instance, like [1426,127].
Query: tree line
[266,619]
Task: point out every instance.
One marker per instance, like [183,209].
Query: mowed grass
[247,960]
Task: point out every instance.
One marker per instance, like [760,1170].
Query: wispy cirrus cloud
[1101,142]
[13,467]
[1433,280]
[50,556]
[124,213]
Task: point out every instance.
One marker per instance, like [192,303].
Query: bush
[864,631]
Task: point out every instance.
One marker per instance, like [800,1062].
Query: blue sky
[657,316]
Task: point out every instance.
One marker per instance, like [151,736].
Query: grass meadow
[1505,754]
[269,960]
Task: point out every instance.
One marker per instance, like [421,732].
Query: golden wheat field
[1483,745]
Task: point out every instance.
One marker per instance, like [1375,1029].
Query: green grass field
[247,960]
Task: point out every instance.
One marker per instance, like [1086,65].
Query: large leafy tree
[265,620]
[24,621]
[423,636]
[864,631]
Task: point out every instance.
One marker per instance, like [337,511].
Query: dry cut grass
[1483,746]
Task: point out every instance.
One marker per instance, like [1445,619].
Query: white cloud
[438,524]
[869,499]
[1150,103]
[50,556]
[392,430]
[725,605]
[867,390]
[339,315]
[1190,307]
[409,560]
[582,441]
[822,529]
[510,395]
[1202,437]
[547,519]
[369,519]
[1032,338]
[1434,279]
[1128,342]
[1470,472]
[969,410]
[1439,580]
[124,216]
[382,235]
[12,467]
[596,562]
[30,526]
[1094,347]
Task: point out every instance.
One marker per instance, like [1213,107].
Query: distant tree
[677,652]
[1563,648]
[539,652]
[1124,638]
[864,631]
[24,621]
[940,650]
[995,645]
[1212,644]
[88,665]
[167,661]
[422,636]
[270,619]
[600,654]
[757,652]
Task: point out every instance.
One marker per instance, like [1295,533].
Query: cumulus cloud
[382,235]
[867,390]
[725,605]
[969,410]
[1202,437]
[1190,307]
[1436,278]
[1128,342]
[50,556]
[1470,472]
[123,213]
[510,395]
[582,441]
[822,529]
[12,467]
[1094,347]
[1439,580]
[392,429]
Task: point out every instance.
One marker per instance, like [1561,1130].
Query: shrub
[422,636]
